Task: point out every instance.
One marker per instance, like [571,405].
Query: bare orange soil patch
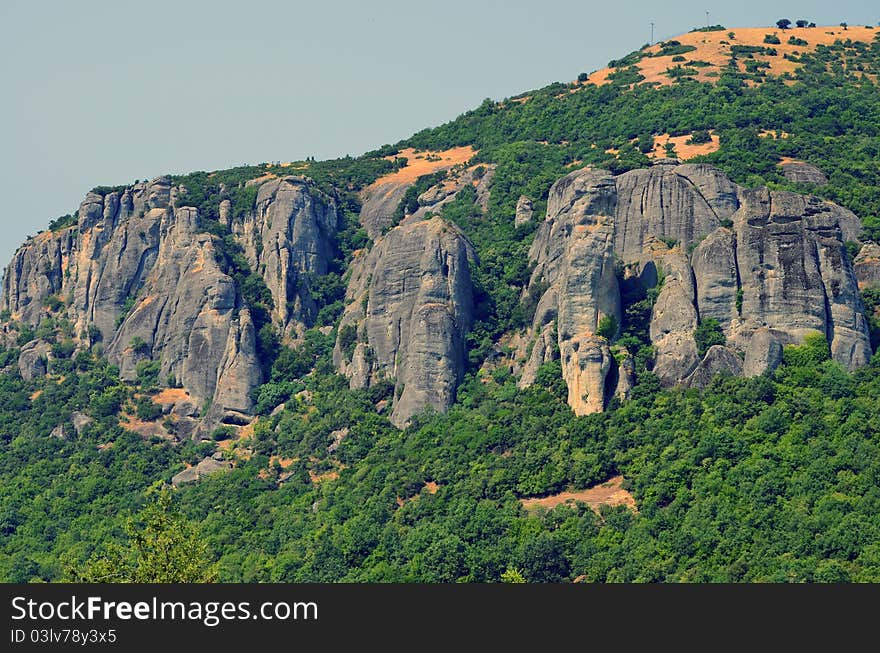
[715,49]
[609,493]
[284,462]
[256,181]
[243,433]
[425,163]
[786,160]
[36,395]
[142,428]
[683,150]
[171,396]
[332,475]
[765,133]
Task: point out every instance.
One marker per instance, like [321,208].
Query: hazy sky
[103,93]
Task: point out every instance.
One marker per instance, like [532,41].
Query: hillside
[704,55]
[414,364]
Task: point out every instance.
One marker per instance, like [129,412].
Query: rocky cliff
[141,276]
[410,307]
[146,277]
[770,267]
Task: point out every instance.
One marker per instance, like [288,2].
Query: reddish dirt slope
[715,48]
[609,493]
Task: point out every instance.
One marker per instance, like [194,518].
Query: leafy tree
[161,546]
[707,334]
[783,23]
[607,327]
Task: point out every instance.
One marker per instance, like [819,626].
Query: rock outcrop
[33,359]
[524,211]
[770,267]
[141,277]
[288,238]
[573,255]
[763,352]
[410,307]
[379,206]
[208,465]
[867,266]
[718,360]
[803,173]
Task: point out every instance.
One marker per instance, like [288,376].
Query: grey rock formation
[867,266]
[803,173]
[80,421]
[524,211]
[763,352]
[410,304]
[795,275]
[678,203]
[380,206]
[626,376]
[35,273]
[141,277]
[192,474]
[673,322]
[238,372]
[184,309]
[542,351]
[33,359]
[717,277]
[718,360]
[769,267]
[336,438]
[287,238]
[574,261]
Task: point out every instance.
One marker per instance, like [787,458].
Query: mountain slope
[528,264]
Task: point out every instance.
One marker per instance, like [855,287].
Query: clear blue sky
[108,92]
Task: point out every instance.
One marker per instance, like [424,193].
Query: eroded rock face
[763,352]
[770,267]
[287,238]
[184,312]
[141,277]
[524,211]
[804,173]
[410,306]
[867,266]
[718,360]
[33,360]
[573,252]
[795,275]
[380,206]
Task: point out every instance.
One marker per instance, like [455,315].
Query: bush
[147,373]
[146,409]
[813,351]
[607,327]
[224,432]
[707,334]
[53,303]
[700,136]
[348,340]
[772,39]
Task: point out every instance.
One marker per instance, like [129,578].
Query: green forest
[769,479]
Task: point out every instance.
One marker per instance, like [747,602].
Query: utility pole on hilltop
[707,18]
[651,42]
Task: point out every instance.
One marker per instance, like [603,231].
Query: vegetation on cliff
[772,478]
